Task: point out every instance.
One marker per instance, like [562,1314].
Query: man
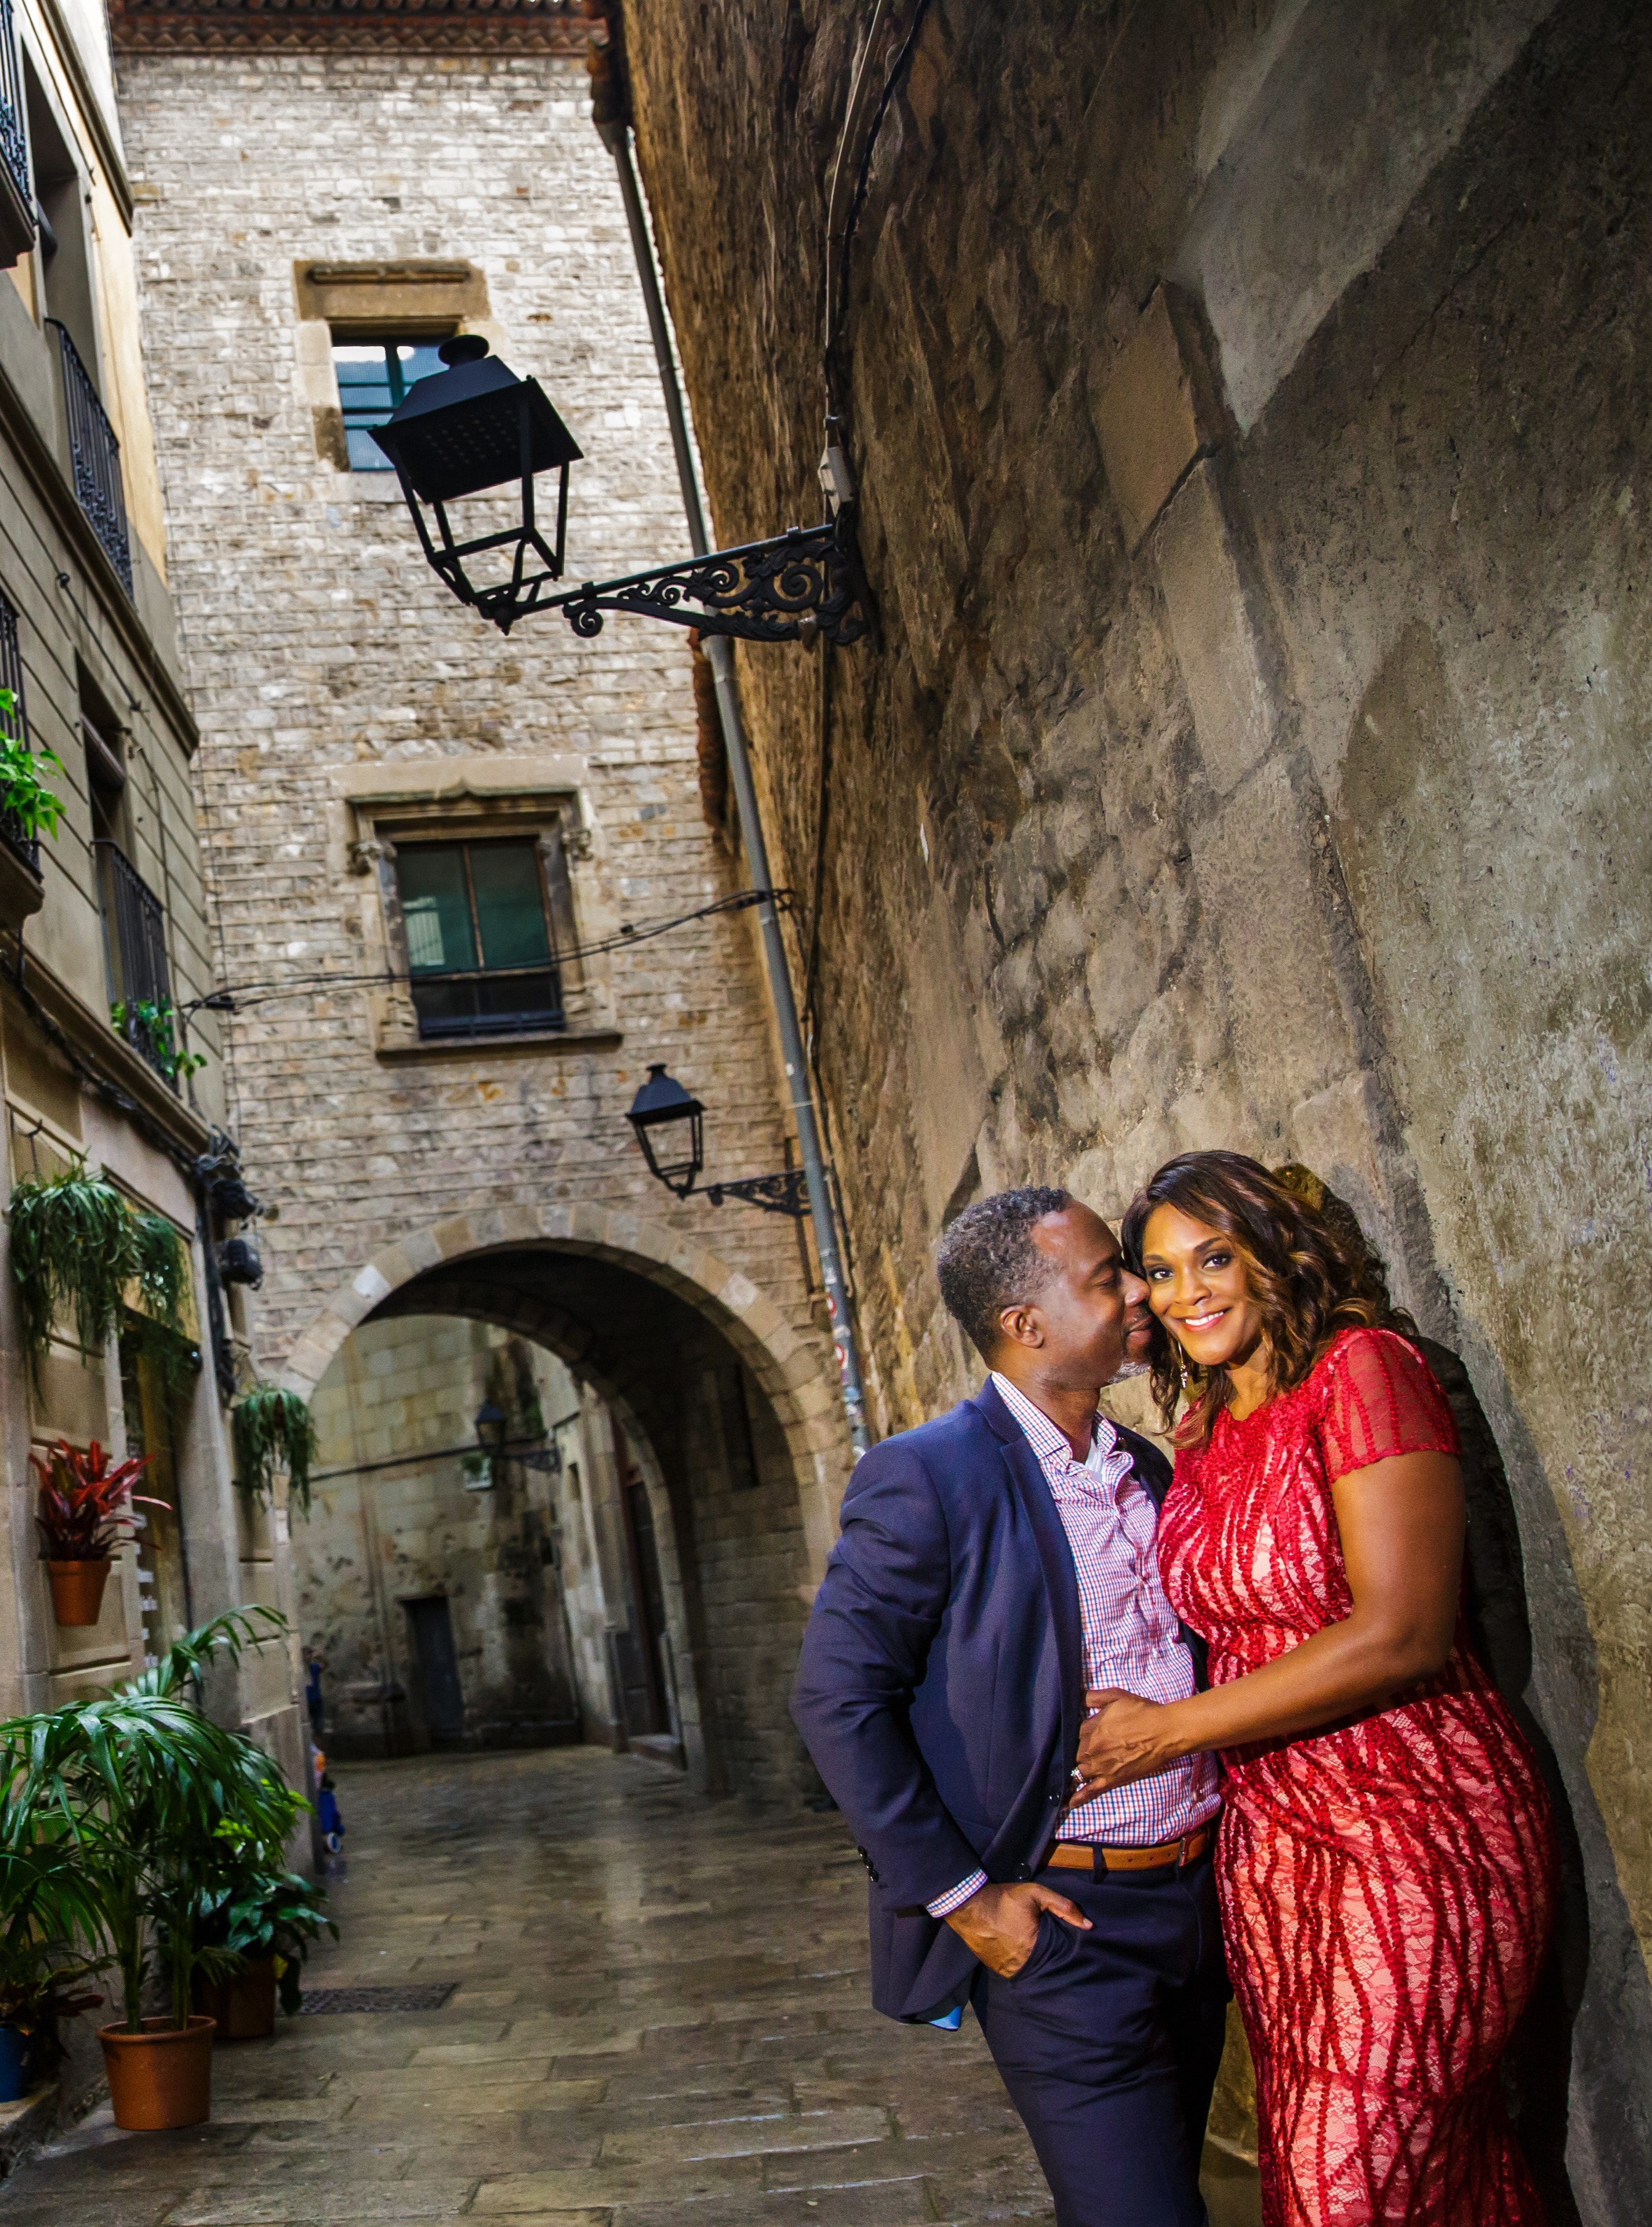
[994,1565]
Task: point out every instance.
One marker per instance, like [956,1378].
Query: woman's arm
[1401,1524]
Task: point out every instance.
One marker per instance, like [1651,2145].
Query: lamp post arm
[617,139]
[803,583]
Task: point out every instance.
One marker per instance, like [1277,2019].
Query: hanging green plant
[78,1247]
[272,1429]
[75,1249]
[163,1322]
[162,1273]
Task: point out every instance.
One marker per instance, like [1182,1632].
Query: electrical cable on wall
[238,996]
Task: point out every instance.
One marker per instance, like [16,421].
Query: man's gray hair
[987,1260]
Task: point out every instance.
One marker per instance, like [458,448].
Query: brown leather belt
[1092,1856]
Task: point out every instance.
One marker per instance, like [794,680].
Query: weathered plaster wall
[1265,770]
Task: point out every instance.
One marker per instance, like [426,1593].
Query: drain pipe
[616,138]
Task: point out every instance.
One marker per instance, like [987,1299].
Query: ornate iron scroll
[785,1193]
[805,583]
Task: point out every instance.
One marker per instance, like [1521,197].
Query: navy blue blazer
[941,1685]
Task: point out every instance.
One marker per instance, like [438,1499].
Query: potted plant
[84,1519]
[272,1429]
[142,1785]
[47,1908]
[267,1918]
[152,1025]
[78,1247]
[29,809]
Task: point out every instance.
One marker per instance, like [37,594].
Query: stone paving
[661,2016]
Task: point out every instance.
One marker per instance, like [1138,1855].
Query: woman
[1387,1857]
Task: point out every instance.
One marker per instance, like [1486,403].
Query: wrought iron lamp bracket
[802,584]
[785,1193]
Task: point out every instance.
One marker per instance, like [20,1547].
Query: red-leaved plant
[84,1505]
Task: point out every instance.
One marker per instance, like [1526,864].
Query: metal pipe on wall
[616,138]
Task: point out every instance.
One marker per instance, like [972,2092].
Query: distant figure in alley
[995,1564]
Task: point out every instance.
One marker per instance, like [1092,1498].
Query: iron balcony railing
[14,727]
[493,1001]
[13,145]
[95,454]
[134,941]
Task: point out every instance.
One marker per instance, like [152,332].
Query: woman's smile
[1197,1287]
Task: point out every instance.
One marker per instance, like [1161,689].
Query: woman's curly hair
[1307,1262]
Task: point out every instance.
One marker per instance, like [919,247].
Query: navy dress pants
[1108,2043]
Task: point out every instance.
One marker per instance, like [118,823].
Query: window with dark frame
[374,376]
[481,946]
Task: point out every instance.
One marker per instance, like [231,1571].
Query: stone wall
[320,645]
[338,685]
[1249,407]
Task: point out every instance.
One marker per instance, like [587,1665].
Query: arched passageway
[725,1460]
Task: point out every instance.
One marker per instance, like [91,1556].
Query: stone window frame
[473,798]
[414,299]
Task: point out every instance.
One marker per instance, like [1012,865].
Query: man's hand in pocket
[1000,1923]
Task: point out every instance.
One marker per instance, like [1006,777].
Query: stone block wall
[1248,406]
[318,645]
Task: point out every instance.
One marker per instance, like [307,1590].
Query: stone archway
[794,1372]
[660,1329]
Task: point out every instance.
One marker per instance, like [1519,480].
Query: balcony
[94,454]
[14,727]
[134,941]
[16,195]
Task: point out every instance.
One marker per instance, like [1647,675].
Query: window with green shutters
[481,949]
[374,376]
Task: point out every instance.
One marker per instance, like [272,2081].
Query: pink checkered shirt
[1132,1639]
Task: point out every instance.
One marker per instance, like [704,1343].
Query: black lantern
[670,1127]
[491,1429]
[239,1262]
[477,427]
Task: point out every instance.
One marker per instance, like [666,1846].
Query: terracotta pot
[77,1591]
[162,2077]
[244,2008]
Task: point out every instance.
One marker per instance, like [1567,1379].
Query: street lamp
[663,1114]
[670,1126]
[476,428]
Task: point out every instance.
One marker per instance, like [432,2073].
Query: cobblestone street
[660,2015]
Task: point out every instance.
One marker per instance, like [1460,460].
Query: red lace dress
[1387,1886]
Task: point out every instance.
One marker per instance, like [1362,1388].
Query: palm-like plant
[150,1800]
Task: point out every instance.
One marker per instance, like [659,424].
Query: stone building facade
[104,928]
[308,194]
[1248,406]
